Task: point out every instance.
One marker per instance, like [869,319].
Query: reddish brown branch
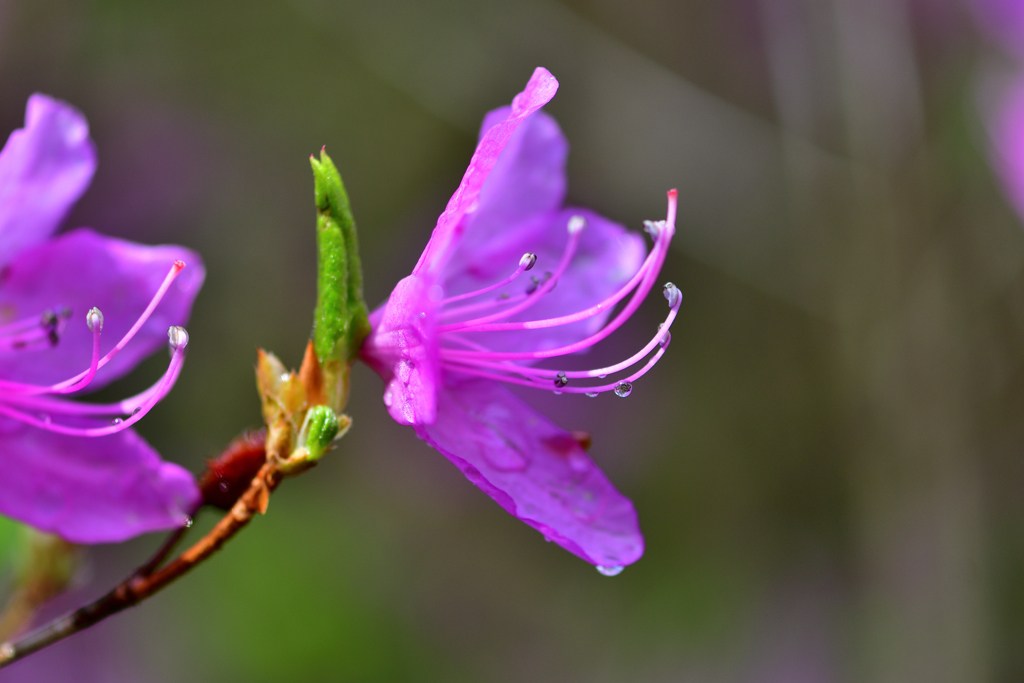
[148,579]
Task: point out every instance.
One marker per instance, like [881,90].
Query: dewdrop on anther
[177,337]
[623,389]
[528,261]
[94,319]
[673,294]
[576,224]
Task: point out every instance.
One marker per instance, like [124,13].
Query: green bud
[340,322]
[318,431]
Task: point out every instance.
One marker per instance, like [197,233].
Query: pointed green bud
[340,322]
[318,431]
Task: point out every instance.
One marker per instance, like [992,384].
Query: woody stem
[148,580]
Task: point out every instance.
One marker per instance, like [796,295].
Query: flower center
[471,357]
[37,405]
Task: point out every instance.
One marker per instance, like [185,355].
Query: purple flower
[78,469]
[469,319]
[1002,94]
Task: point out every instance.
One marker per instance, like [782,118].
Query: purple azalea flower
[70,468]
[468,319]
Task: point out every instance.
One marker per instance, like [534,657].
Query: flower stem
[147,580]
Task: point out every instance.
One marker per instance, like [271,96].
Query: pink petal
[538,92]
[403,344]
[527,181]
[534,470]
[100,490]
[44,168]
[81,269]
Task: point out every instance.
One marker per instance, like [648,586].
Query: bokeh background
[829,462]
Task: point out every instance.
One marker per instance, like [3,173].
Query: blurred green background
[828,464]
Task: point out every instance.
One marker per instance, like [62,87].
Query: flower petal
[534,470]
[445,238]
[100,490]
[527,181]
[608,255]
[402,347]
[81,269]
[44,168]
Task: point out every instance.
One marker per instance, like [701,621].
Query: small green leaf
[340,322]
[318,431]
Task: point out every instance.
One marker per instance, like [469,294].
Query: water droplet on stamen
[576,223]
[557,393]
[666,340]
[601,376]
[136,411]
[177,337]
[188,522]
[591,394]
[610,571]
[116,421]
[528,261]
[94,319]
[654,228]
[623,389]
[673,294]
[561,380]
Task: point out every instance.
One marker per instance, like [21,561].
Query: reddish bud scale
[228,475]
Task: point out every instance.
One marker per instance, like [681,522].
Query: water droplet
[116,421]
[136,411]
[223,486]
[653,228]
[666,340]
[623,389]
[601,376]
[557,393]
[561,380]
[423,314]
[188,522]
[591,394]
[528,261]
[610,571]
[673,294]
[388,398]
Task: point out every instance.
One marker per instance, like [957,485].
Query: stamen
[80,380]
[525,263]
[575,228]
[32,333]
[497,365]
[659,339]
[137,406]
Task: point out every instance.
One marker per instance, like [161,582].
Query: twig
[148,580]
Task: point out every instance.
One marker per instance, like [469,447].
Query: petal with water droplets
[482,427]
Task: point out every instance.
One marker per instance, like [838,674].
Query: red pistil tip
[178,266]
[673,193]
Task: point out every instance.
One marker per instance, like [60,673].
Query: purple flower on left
[76,312]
